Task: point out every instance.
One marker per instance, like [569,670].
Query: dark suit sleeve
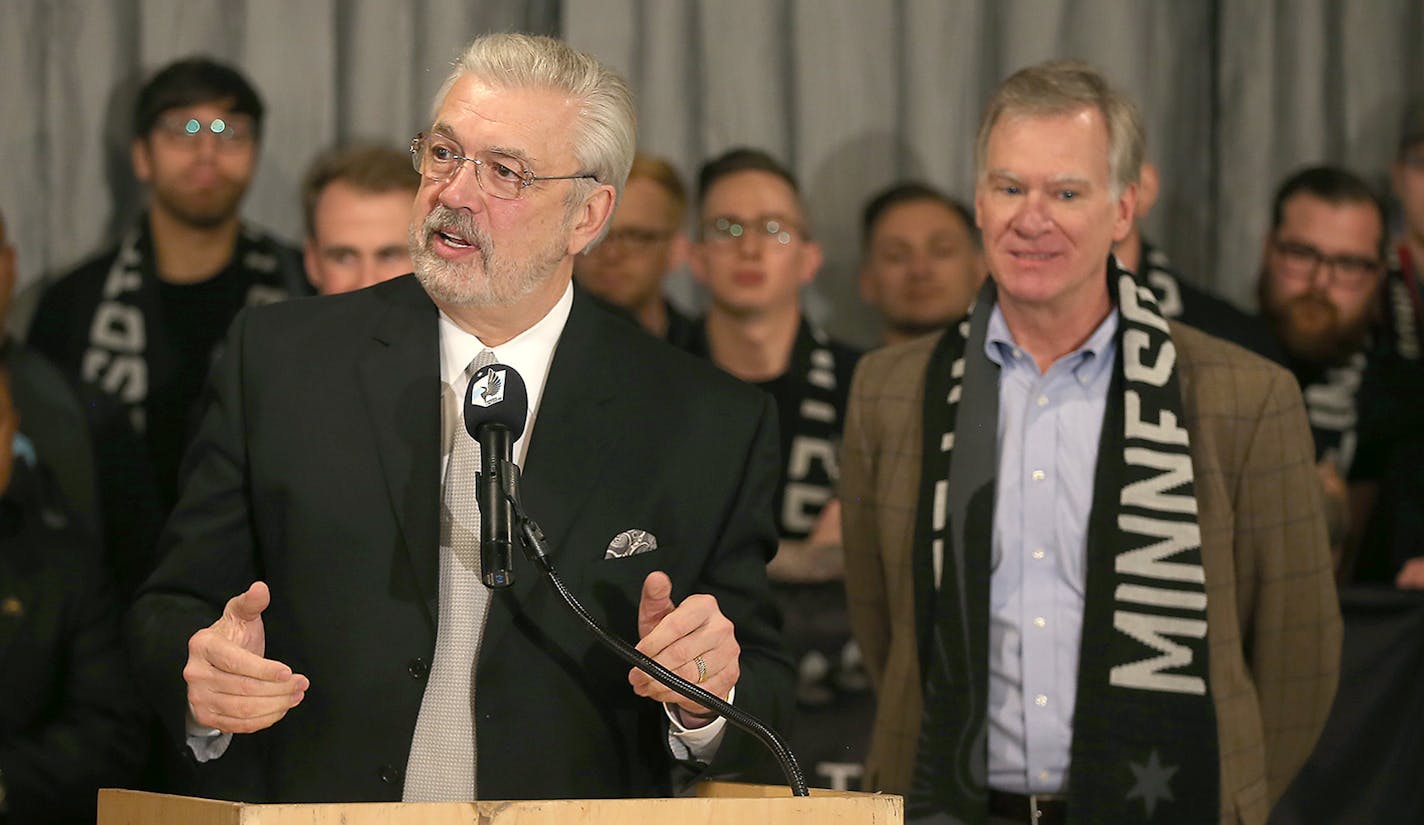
[736,575]
[207,549]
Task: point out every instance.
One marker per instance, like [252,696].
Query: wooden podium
[716,803]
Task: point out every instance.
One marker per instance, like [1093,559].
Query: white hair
[606,126]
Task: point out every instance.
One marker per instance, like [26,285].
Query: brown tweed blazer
[1273,619]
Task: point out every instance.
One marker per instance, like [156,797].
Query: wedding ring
[701,669]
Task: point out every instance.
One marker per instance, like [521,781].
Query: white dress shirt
[1049,428]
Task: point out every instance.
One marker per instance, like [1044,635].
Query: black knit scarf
[1144,727]
[1404,305]
[121,359]
[812,406]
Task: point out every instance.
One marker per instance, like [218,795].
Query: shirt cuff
[206,743]
[696,744]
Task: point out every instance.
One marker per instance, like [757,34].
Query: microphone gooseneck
[495,408]
[537,550]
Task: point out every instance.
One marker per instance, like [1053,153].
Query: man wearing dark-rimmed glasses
[138,326]
[1319,290]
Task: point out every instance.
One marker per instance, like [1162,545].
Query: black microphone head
[496,396]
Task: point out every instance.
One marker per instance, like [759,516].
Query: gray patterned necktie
[442,753]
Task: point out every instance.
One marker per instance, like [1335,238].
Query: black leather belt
[1052,809]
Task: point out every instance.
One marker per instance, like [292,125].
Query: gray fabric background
[852,93]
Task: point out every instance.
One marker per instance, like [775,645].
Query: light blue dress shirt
[1049,427]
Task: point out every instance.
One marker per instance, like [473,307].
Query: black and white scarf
[1404,305]
[118,357]
[1331,398]
[1144,729]
[812,407]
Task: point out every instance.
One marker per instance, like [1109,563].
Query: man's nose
[1032,217]
[207,144]
[749,245]
[461,189]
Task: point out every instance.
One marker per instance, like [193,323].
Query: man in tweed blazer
[1273,623]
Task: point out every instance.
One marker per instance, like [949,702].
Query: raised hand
[677,636]
[231,686]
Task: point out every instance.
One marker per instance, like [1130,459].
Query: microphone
[496,404]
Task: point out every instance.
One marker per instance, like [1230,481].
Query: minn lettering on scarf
[1144,728]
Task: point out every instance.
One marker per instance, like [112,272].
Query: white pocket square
[631,543]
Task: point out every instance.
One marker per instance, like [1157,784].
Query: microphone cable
[536,549]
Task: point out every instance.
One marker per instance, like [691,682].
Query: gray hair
[1062,87]
[606,127]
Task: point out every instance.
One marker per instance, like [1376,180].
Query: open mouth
[454,240]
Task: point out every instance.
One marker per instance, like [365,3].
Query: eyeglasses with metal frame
[438,158]
[728,230]
[233,130]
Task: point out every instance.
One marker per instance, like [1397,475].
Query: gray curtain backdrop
[853,94]
[329,71]
[856,94]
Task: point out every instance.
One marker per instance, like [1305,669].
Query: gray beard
[495,281]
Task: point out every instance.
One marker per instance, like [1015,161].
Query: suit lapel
[576,431]
[399,376]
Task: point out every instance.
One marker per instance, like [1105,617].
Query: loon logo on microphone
[488,390]
[496,397]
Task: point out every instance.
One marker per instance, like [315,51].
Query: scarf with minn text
[1144,744]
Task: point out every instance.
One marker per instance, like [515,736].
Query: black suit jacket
[71,721]
[317,470]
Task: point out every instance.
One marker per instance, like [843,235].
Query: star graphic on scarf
[1152,782]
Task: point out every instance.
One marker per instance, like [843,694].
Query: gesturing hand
[231,686]
[676,636]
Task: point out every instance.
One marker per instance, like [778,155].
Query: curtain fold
[328,71]
[854,95]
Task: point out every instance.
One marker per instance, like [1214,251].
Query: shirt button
[1043,775]
[1039,621]
[1039,475]
[391,774]
[418,669]
[1038,554]
[1043,401]
[1041,700]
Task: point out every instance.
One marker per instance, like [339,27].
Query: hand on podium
[678,637]
[231,687]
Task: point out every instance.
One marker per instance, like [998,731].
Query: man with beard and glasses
[318,629]
[136,328]
[1084,552]
[1319,289]
[1177,296]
